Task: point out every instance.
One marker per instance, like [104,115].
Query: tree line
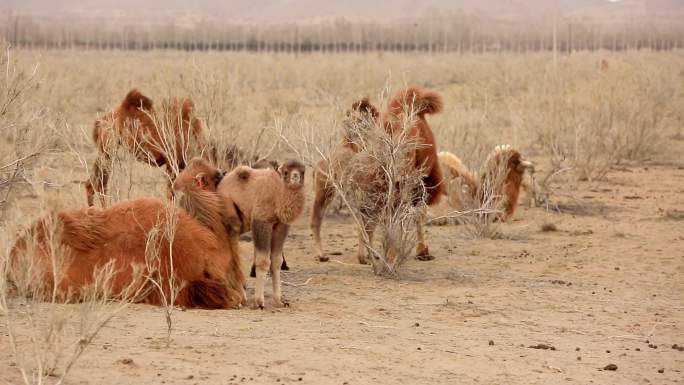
[447,32]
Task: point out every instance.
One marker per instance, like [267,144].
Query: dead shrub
[599,120]
[24,138]
[378,184]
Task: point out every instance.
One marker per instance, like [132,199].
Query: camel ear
[199,180]
[526,165]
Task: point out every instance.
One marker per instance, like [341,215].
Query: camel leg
[277,242]
[369,231]
[422,251]
[98,181]
[283,266]
[321,201]
[235,245]
[262,232]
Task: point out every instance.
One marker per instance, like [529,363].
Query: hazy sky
[305,10]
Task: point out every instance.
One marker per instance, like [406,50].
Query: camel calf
[267,202]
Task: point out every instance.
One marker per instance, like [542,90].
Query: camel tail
[206,294]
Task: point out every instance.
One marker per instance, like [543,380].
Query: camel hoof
[322,258]
[281,304]
[363,260]
[425,257]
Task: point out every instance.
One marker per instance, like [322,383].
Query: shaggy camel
[361,118]
[260,164]
[413,103]
[504,168]
[138,127]
[204,245]
[267,202]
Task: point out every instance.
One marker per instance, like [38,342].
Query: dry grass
[19,117]
[167,289]
[584,119]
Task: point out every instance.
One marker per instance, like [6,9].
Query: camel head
[518,163]
[292,172]
[515,161]
[360,119]
[200,174]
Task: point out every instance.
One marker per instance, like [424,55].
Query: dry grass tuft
[21,142]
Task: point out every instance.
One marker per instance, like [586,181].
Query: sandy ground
[599,290]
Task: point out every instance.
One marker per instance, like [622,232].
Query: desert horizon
[289,192]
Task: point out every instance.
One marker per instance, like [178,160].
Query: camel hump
[135,99]
[84,232]
[243,173]
[420,99]
[187,108]
[364,106]
[101,125]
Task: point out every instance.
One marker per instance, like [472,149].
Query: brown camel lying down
[419,102]
[503,168]
[204,247]
[140,129]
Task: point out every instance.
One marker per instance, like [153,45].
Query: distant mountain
[277,11]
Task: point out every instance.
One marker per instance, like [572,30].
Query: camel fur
[137,126]
[267,203]
[502,172]
[203,247]
[412,102]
